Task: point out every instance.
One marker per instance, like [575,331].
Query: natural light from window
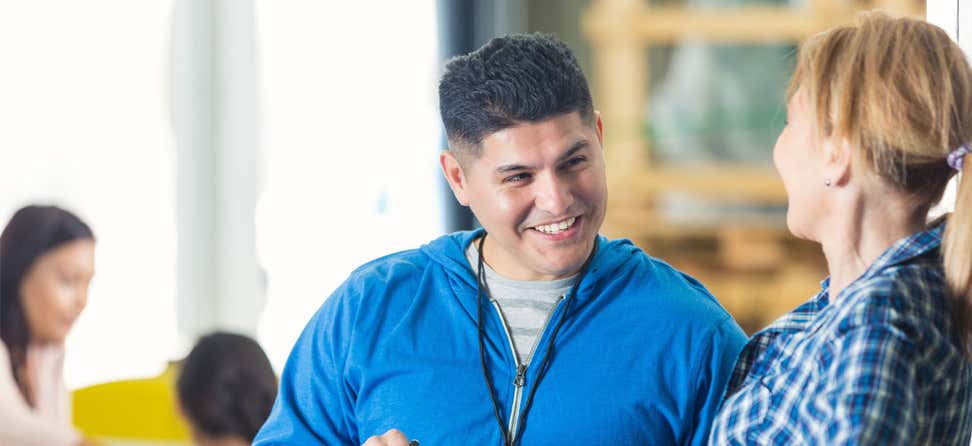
[350,143]
[85,126]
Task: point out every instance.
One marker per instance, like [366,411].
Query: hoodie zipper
[519,381]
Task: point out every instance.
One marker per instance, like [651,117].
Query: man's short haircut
[510,80]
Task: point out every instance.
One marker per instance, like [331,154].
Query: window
[350,137]
[84,114]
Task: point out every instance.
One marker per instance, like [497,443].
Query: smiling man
[540,191]
[534,330]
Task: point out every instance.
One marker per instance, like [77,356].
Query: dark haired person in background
[46,264]
[533,330]
[226,387]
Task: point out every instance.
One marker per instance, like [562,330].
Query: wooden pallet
[756,269]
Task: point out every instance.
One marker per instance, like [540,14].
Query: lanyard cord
[480,284]
[480,278]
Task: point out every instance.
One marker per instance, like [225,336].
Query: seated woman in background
[879,120]
[226,389]
[46,264]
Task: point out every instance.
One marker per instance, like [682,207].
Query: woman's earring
[827,182]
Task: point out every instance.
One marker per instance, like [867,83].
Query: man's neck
[509,268]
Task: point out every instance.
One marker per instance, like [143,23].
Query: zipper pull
[520,379]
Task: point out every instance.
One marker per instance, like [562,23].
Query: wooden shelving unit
[755,268]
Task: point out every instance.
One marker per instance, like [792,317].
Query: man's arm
[313,404]
[713,375]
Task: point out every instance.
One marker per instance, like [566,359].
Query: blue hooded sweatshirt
[642,358]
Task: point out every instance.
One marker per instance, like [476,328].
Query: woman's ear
[838,160]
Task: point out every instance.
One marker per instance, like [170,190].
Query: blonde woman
[879,120]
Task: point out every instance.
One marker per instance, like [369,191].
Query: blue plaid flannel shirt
[879,366]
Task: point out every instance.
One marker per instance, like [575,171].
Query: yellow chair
[138,412]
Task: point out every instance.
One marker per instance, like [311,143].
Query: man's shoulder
[444,252]
[388,281]
[663,287]
[401,262]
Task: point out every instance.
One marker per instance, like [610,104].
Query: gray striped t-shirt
[525,305]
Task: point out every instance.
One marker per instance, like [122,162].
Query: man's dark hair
[226,386]
[510,80]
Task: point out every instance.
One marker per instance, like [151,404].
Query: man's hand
[393,437]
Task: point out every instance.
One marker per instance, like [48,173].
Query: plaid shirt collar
[800,319]
[915,245]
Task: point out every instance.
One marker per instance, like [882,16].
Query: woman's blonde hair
[899,90]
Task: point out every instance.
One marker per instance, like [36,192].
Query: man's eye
[517,178]
[574,161]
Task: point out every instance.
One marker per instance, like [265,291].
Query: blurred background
[237,159]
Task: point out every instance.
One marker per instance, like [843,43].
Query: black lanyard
[480,285]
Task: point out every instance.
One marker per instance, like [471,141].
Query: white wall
[350,145]
[232,157]
[955,17]
[215,122]
[83,124]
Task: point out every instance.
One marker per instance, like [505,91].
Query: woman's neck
[859,231]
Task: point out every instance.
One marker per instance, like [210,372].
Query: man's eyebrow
[507,168]
[576,147]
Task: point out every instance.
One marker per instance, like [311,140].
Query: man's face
[539,190]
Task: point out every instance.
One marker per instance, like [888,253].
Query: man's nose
[553,195]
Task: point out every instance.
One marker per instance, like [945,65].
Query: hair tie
[956,156]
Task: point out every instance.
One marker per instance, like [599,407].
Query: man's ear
[454,175]
[838,160]
[600,128]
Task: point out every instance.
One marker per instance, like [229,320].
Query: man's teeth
[554,228]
